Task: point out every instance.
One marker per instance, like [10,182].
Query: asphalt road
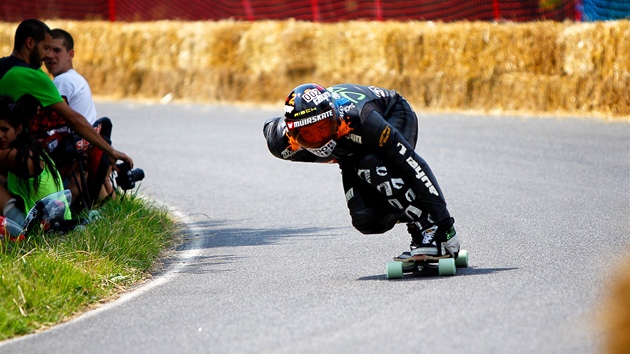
[271,264]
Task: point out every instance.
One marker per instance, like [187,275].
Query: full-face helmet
[311,118]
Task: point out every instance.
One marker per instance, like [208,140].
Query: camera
[126,178]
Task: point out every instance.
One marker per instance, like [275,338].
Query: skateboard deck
[420,258]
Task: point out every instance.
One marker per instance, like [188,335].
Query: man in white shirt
[76,90]
[69,82]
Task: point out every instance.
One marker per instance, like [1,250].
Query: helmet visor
[317,134]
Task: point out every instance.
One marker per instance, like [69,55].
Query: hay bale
[7,34]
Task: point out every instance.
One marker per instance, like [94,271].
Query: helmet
[312,119]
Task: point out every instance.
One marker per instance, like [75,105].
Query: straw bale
[615,95]
[410,87]
[441,49]
[7,33]
[224,43]
[207,58]
[403,47]
[271,49]
[298,43]
[517,91]
[566,93]
[600,47]
[263,42]
[534,45]
[620,32]
[353,51]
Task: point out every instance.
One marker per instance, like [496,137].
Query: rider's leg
[423,229]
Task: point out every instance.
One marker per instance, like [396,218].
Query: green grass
[49,278]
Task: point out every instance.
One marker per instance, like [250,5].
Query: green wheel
[394,270]
[446,266]
[462,259]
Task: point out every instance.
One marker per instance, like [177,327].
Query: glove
[452,244]
[272,124]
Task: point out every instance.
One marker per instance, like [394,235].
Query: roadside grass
[49,278]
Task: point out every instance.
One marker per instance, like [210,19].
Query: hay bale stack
[533,67]
[596,57]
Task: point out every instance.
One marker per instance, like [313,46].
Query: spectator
[76,91]
[29,173]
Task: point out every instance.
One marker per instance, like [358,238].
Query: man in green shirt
[21,73]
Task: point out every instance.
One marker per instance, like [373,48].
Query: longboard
[406,263]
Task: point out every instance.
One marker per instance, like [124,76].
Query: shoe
[422,242]
[403,256]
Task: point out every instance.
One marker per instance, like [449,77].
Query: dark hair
[20,113]
[68,41]
[33,28]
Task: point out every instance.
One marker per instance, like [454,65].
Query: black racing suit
[384,179]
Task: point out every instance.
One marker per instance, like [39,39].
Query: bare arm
[80,125]
[8,159]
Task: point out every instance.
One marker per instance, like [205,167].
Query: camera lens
[137,174]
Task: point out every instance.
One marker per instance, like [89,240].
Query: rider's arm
[274,131]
